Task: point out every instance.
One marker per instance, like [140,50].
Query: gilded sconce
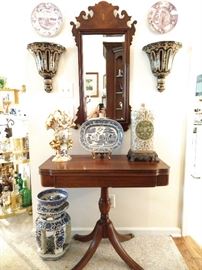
[161,55]
[47,57]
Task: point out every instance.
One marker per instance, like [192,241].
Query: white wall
[192,207]
[146,207]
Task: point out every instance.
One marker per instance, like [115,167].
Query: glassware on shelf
[14,157]
[25,142]
[26,195]
[16,200]
[18,144]
[19,181]
[6,105]
[1,184]
[5,145]
[6,197]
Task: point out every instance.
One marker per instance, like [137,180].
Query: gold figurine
[61,123]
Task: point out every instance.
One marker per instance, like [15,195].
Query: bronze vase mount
[47,57]
[161,55]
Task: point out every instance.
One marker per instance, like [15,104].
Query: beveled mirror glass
[103,36]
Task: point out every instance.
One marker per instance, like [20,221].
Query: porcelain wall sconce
[161,55]
[47,57]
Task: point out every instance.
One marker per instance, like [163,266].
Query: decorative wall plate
[101,135]
[162,17]
[46,19]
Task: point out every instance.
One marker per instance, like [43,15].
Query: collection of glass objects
[14,193]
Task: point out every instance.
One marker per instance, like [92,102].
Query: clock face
[144,130]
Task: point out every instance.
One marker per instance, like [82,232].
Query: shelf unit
[14,156]
[10,213]
[115,80]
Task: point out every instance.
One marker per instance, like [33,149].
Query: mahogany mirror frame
[103,18]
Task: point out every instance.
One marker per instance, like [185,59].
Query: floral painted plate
[46,19]
[101,135]
[162,17]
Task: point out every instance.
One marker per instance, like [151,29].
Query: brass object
[60,123]
[161,55]
[47,57]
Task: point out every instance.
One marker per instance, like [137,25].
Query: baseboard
[171,231]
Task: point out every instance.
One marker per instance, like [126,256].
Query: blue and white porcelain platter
[101,135]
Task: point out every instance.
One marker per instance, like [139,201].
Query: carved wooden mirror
[103,36]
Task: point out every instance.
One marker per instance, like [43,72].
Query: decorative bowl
[52,197]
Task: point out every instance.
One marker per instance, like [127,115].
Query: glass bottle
[19,181]
[26,195]
[6,197]
[1,185]
[1,190]
[15,176]
[15,197]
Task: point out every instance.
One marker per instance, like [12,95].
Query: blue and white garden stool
[53,224]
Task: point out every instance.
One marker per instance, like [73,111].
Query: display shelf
[14,161]
[5,162]
[14,157]
[10,213]
[119,92]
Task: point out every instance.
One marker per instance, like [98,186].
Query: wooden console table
[83,171]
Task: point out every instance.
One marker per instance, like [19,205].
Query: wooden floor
[190,251]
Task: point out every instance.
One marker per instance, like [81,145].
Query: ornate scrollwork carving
[101,16]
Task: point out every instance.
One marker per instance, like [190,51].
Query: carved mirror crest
[103,36]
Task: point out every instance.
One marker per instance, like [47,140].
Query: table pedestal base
[105,229]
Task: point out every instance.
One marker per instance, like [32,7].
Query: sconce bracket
[161,55]
[47,57]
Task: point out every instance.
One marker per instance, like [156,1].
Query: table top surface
[87,163]
[84,171]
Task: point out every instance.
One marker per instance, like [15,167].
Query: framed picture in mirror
[91,84]
[199,85]
[104,81]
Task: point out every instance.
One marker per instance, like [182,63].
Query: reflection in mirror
[103,36]
[97,72]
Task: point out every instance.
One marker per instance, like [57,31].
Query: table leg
[105,229]
[92,248]
[124,237]
[85,238]
[119,249]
